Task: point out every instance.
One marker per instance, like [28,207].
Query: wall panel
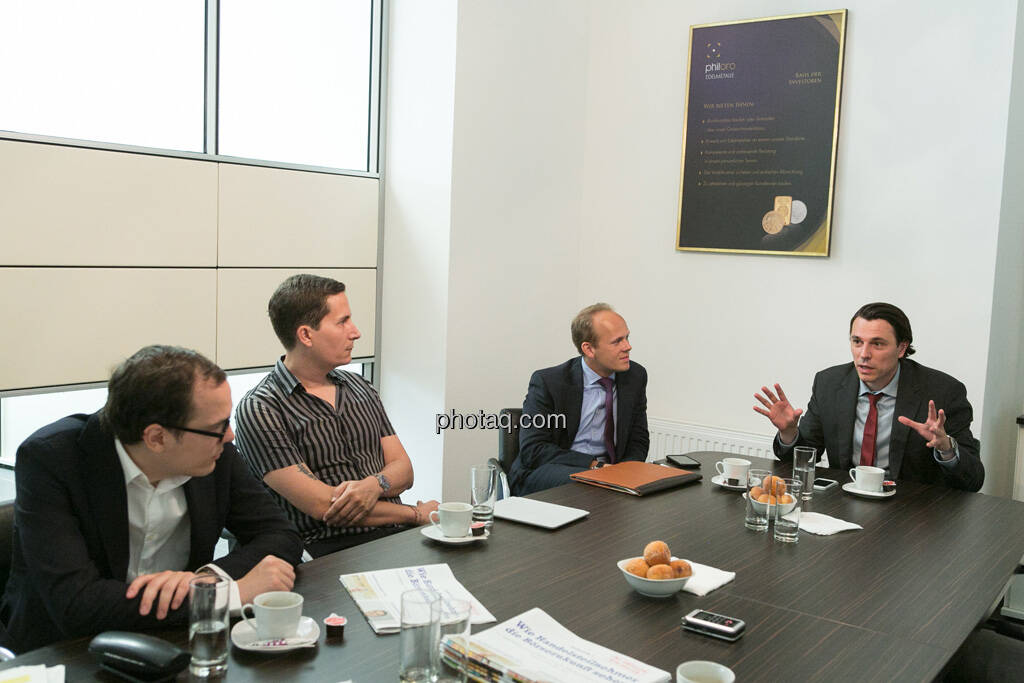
[82,207]
[70,325]
[245,337]
[280,218]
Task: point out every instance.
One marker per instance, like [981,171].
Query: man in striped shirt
[317,436]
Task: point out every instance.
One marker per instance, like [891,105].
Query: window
[20,416]
[292,84]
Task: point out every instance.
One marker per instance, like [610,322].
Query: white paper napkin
[823,525]
[706,579]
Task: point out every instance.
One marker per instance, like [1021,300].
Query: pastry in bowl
[655,588]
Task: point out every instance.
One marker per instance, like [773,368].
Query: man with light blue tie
[586,412]
[883,409]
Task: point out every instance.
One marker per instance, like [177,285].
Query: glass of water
[208,625]
[419,637]
[804,458]
[787,512]
[484,493]
[455,620]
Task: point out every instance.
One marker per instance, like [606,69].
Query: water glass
[757,513]
[787,512]
[804,458]
[208,625]
[484,493]
[419,636]
[455,618]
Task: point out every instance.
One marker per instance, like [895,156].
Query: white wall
[516,188]
[417,189]
[919,184]
[1004,390]
[565,170]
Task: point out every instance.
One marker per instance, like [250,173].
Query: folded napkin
[706,579]
[823,525]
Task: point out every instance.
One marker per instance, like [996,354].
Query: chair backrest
[508,440]
[6,541]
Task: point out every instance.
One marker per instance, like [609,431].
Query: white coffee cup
[455,519]
[277,614]
[733,470]
[701,671]
[867,478]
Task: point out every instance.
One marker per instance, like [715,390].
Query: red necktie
[867,444]
[609,418]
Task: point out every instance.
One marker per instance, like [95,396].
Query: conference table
[893,601]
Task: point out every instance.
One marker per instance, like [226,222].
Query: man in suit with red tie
[883,409]
[590,409]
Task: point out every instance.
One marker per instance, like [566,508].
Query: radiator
[671,436]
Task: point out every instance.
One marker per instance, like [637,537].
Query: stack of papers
[533,647]
[378,594]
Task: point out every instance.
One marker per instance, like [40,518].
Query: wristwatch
[383,482]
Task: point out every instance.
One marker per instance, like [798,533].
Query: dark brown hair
[892,315]
[300,300]
[154,386]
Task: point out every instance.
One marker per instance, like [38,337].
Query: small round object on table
[335,626]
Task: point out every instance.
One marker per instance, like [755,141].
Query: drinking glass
[804,458]
[455,616]
[208,625]
[484,493]
[757,513]
[787,512]
[420,631]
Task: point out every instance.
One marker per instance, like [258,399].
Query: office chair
[508,448]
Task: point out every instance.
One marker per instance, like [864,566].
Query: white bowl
[652,588]
[765,508]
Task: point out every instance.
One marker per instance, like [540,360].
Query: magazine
[378,594]
[534,648]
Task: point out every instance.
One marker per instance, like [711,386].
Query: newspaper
[36,673]
[378,594]
[534,648]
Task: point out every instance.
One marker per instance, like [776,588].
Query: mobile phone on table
[682,461]
[714,625]
[823,484]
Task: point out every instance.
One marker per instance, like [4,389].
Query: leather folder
[636,478]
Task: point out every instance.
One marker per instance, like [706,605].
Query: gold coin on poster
[772,222]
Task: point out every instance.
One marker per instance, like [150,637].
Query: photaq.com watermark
[482,420]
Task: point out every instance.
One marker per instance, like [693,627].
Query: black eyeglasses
[204,432]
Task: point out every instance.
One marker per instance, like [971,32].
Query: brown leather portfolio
[637,478]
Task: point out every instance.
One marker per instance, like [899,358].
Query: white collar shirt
[159,528]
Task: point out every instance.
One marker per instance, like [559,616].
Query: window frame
[210,153]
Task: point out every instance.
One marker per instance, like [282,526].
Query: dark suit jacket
[559,390]
[829,420]
[70,555]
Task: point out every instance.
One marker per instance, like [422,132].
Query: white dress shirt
[159,527]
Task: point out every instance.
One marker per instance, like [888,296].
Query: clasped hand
[351,501]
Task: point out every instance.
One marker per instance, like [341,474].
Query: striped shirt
[280,424]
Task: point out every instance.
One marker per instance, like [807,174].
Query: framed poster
[759,135]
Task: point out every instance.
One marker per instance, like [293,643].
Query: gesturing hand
[783,415]
[932,430]
[169,589]
[352,501]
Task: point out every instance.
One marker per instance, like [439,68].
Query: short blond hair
[582,327]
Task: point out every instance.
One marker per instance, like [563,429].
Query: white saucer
[434,534]
[720,481]
[850,488]
[244,637]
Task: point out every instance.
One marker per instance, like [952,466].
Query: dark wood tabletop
[890,602]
